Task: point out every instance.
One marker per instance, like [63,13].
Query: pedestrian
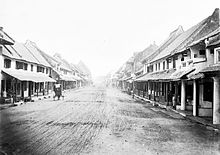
[169,97]
[174,100]
[57,90]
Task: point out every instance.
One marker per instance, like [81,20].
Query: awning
[157,76]
[23,75]
[196,74]
[212,68]
[67,78]
[180,73]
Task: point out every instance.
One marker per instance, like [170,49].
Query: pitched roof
[149,51]
[61,61]
[20,52]
[5,39]
[181,40]
[32,47]
[24,52]
[8,51]
[202,30]
[74,67]
[157,76]
[211,24]
[173,35]
[49,59]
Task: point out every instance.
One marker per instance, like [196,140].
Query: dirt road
[98,120]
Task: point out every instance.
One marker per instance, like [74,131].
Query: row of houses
[183,72]
[28,73]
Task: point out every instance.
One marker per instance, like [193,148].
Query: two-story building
[66,73]
[186,71]
[23,75]
[156,67]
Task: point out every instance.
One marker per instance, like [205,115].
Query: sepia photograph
[109,77]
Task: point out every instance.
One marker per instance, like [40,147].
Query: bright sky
[103,34]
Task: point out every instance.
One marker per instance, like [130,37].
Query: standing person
[57,90]
[169,96]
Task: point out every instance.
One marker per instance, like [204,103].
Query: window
[25,66]
[158,66]
[19,65]
[201,52]
[211,51]
[174,62]
[7,63]
[195,55]
[148,69]
[46,70]
[164,65]
[167,63]
[155,67]
[40,69]
[32,67]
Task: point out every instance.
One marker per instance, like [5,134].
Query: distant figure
[58,91]
[169,95]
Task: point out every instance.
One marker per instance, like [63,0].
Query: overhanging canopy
[156,76]
[23,75]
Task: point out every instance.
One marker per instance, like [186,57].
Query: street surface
[99,120]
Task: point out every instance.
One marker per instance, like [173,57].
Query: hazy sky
[103,34]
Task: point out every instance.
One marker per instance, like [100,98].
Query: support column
[216,100]
[154,89]
[183,95]
[166,91]
[37,85]
[195,98]
[4,92]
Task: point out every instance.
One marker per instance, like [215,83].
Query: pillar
[195,98]
[154,89]
[166,91]
[4,92]
[216,100]
[183,95]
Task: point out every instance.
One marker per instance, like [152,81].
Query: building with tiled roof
[186,72]
[23,74]
[34,49]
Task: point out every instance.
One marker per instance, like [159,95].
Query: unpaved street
[99,120]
